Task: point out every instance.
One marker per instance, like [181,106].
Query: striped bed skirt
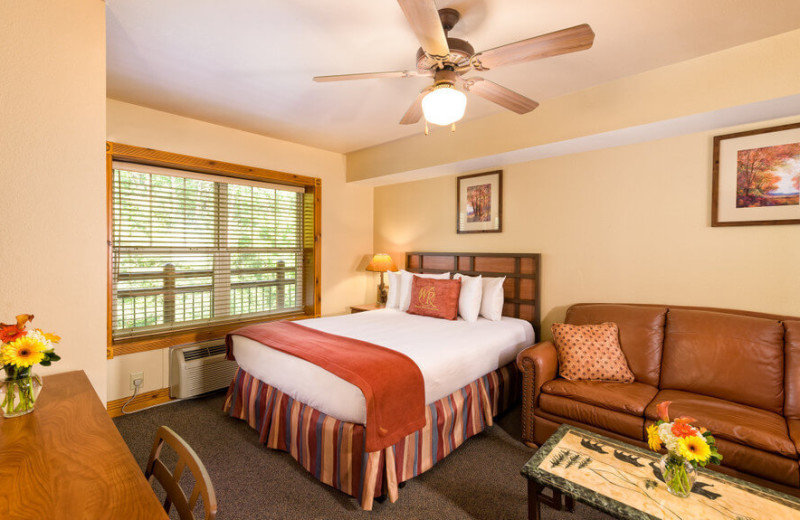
[333,450]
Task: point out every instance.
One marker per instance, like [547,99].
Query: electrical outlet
[135,376]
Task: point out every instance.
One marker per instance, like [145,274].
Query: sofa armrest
[538,364]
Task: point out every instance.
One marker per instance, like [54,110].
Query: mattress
[450,355]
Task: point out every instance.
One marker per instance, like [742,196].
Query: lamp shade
[444,105]
[381,263]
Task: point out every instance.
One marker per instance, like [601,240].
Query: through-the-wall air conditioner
[199,368]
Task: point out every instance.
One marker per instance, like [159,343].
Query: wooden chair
[171,481]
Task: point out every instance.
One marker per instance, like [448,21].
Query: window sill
[168,339]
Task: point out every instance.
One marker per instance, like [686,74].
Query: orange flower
[680,429]
[685,420]
[662,408]
[9,333]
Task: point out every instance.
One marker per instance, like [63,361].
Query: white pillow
[492,299]
[395,285]
[469,300]
[405,286]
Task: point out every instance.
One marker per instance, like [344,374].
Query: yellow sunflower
[653,440]
[23,352]
[694,448]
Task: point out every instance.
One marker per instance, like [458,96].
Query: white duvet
[450,355]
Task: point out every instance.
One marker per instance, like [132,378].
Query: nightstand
[367,307]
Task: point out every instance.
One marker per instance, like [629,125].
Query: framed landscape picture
[480,203]
[756,177]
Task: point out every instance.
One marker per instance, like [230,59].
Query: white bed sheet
[450,355]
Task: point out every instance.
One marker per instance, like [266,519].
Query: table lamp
[381,263]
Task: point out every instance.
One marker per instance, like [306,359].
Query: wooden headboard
[521,270]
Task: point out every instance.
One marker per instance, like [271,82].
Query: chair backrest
[170,481]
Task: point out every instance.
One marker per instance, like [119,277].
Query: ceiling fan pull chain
[427,131]
[453,127]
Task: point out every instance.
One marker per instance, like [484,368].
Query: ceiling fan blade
[501,95]
[577,38]
[414,112]
[372,75]
[423,18]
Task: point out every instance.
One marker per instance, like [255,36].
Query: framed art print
[756,177]
[480,203]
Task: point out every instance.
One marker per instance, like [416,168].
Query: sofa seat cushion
[557,407]
[630,398]
[731,421]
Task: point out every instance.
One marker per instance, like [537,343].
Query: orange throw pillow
[435,298]
[590,353]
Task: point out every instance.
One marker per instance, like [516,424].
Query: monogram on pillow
[590,353]
[427,298]
[435,298]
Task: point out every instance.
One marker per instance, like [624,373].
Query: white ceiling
[248,64]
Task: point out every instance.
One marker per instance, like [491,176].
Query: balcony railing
[238,295]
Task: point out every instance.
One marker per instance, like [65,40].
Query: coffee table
[624,481]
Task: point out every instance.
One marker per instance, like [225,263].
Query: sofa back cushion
[729,356]
[792,380]
[641,333]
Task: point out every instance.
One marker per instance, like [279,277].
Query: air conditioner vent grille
[199,368]
[203,352]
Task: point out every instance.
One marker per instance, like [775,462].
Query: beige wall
[52,176]
[625,224]
[346,210]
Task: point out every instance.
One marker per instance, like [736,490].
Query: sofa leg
[531,445]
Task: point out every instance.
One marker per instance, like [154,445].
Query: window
[192,251]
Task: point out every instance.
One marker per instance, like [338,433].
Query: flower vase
[678,474]
[18,391]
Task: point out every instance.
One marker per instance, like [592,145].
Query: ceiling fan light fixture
[444,105]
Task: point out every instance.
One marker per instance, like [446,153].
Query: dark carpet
[480,480]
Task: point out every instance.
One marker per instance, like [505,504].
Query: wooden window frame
[312,187]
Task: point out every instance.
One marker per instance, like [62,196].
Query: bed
[468,371]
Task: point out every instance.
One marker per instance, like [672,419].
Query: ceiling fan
[448,59]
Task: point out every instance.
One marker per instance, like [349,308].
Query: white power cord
[137,383]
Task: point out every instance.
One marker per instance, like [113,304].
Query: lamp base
[382,293]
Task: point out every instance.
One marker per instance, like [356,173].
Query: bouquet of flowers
[687,447]
[20,349]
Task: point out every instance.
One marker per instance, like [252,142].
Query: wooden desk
[66,459]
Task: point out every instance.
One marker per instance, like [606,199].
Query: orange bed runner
[390,381]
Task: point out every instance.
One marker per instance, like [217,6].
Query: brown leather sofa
[736,372]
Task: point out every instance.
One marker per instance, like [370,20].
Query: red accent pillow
[435,298]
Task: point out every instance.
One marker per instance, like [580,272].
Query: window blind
[191,250]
